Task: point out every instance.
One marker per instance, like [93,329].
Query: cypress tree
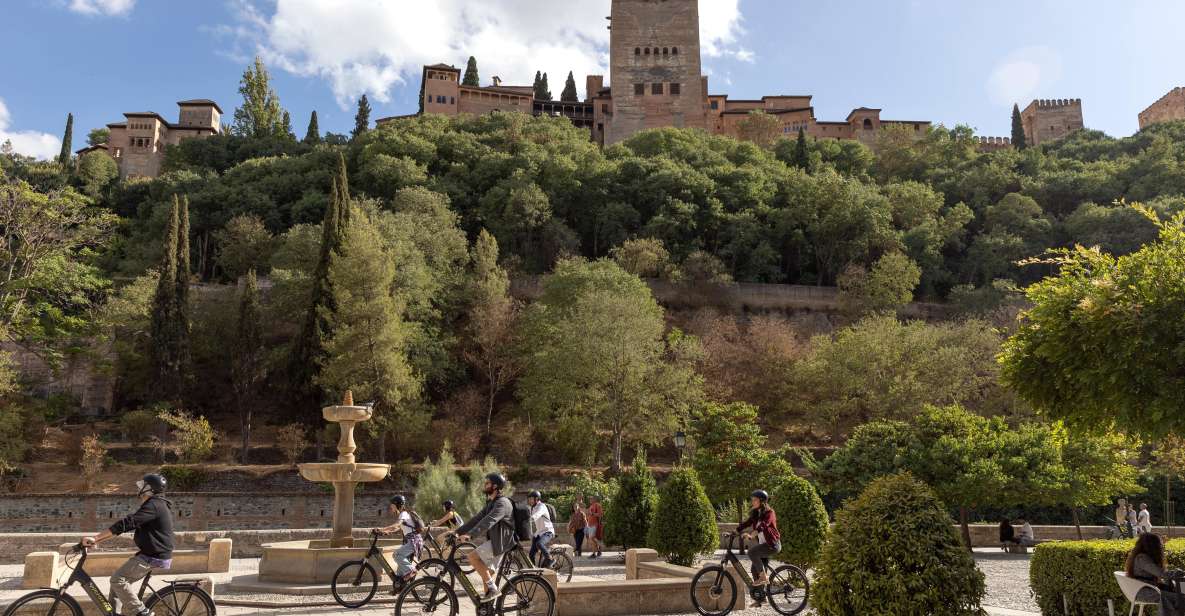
[68,137]
[538,85]
[286,126]
[162,329]
[569,94]
[802,159]
[312,135]
[247,359]
[1018,129]
[544,90]
[471,78]
[362,118]
[181,310]
[343,200]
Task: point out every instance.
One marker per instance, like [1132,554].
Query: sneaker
[491,593]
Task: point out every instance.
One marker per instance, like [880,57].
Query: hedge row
[1084,573]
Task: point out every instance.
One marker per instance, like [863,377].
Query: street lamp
[680,443]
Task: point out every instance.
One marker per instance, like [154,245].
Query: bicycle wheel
[180,600]
[426,595]
[527,594]
[436,568]
[463,551]
[354,584]
[788,590]
[713,591]
[44,603]
[563,566]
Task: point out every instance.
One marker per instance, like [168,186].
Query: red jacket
[764,521]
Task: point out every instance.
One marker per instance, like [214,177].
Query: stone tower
[654,64]
[1050,119]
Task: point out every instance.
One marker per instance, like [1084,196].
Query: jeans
[539,544]
[760,554]
[124,599]
[403,557]
[578,539]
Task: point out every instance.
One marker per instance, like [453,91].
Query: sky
[948,61]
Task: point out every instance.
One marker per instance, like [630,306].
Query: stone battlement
[1053,103]
[991,144]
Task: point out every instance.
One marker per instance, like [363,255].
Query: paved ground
[1007,588]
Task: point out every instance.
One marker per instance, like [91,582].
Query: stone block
[634,556]
[41,569]
[218,556]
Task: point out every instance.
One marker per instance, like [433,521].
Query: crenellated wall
[1049,119]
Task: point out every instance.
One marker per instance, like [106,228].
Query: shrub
[893,550]
[93,457]
[292,442]
[1083,572]
[585,485]
[630,515]
[474,499]
[437,483]
[184,478]
[138,426]
[194,436]
[685,525]
[802,519]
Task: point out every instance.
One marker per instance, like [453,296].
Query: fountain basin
[314,561]
[338,414]
[337,472]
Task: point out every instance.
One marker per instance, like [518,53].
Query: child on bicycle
[764,524]
[410,525]
[451,519]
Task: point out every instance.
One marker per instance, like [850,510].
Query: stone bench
[43,569]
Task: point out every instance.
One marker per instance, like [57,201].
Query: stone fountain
[314,561]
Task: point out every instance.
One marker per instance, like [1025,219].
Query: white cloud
[1020,76]
[102,7]
[27,142]
[368,46]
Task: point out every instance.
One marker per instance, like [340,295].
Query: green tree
[1101,317]
[597,355]
[248,362]
[438,482]
[760,128]
[888,286]
[286,127]
[794,498]
[244,244]
[170,328]
[1018,129]
[493,319]
[542,90]
[569,94]
[96,171]
[1097,468]
[362,118]
[312,135]
[471,77]
[260,115]
[644,257]
[802,158]
[729,452]
[893,551]
[685,523]
[631,514]
[98,136]
[67,139]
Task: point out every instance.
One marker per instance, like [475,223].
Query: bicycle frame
[504,571]
[80,576]
[730,558]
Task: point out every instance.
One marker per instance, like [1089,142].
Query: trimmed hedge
[1084,572]
[685,525]
[802,519]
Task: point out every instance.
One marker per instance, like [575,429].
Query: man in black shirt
[153,526]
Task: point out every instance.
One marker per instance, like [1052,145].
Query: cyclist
[764,523]
[451,518]
[413,541]
[542,529]
[496,521]
[152,524]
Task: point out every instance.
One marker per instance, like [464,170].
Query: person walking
[594,532]
[542,529]
[152,524]
[1144,520]
[577,523]
[496,521]
[409,524]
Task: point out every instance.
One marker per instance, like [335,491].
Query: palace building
[138,143]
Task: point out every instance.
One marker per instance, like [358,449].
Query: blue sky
[949,61]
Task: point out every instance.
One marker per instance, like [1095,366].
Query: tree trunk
[616,466]
[965,527]
[245,426]
[1077,524]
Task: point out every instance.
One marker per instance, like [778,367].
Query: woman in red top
[764,523]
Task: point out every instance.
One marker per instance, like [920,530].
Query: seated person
[1026,536]
[1007,533]
[1146,563]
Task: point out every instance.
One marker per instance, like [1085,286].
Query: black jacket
[496,521]
[153,523]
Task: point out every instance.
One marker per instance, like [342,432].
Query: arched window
[665,51]
[674,51]
[867,124]
[647,51]
[637,51]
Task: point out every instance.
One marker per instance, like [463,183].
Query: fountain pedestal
[310,562]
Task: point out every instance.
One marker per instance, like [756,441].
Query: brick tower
[654,64]
[1047,120]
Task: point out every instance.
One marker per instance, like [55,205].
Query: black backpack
[522,520]
[551,513]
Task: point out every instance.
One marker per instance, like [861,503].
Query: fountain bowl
[338,414]
[337,472]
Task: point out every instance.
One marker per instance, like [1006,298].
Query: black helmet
[398,500]
[449,505]
[497,480]
[535,495]
[151,482]
[761,494]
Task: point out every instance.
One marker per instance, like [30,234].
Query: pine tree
[569,94]
[67,138]
[538,83]
[362,118]
[247,359]
[802,158]
[471,76]
[543,91]
[312,135]
[260,115]
[164,343]
[286,127]
[1018,129]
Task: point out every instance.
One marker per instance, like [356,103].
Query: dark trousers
[760,554]
[578,539]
